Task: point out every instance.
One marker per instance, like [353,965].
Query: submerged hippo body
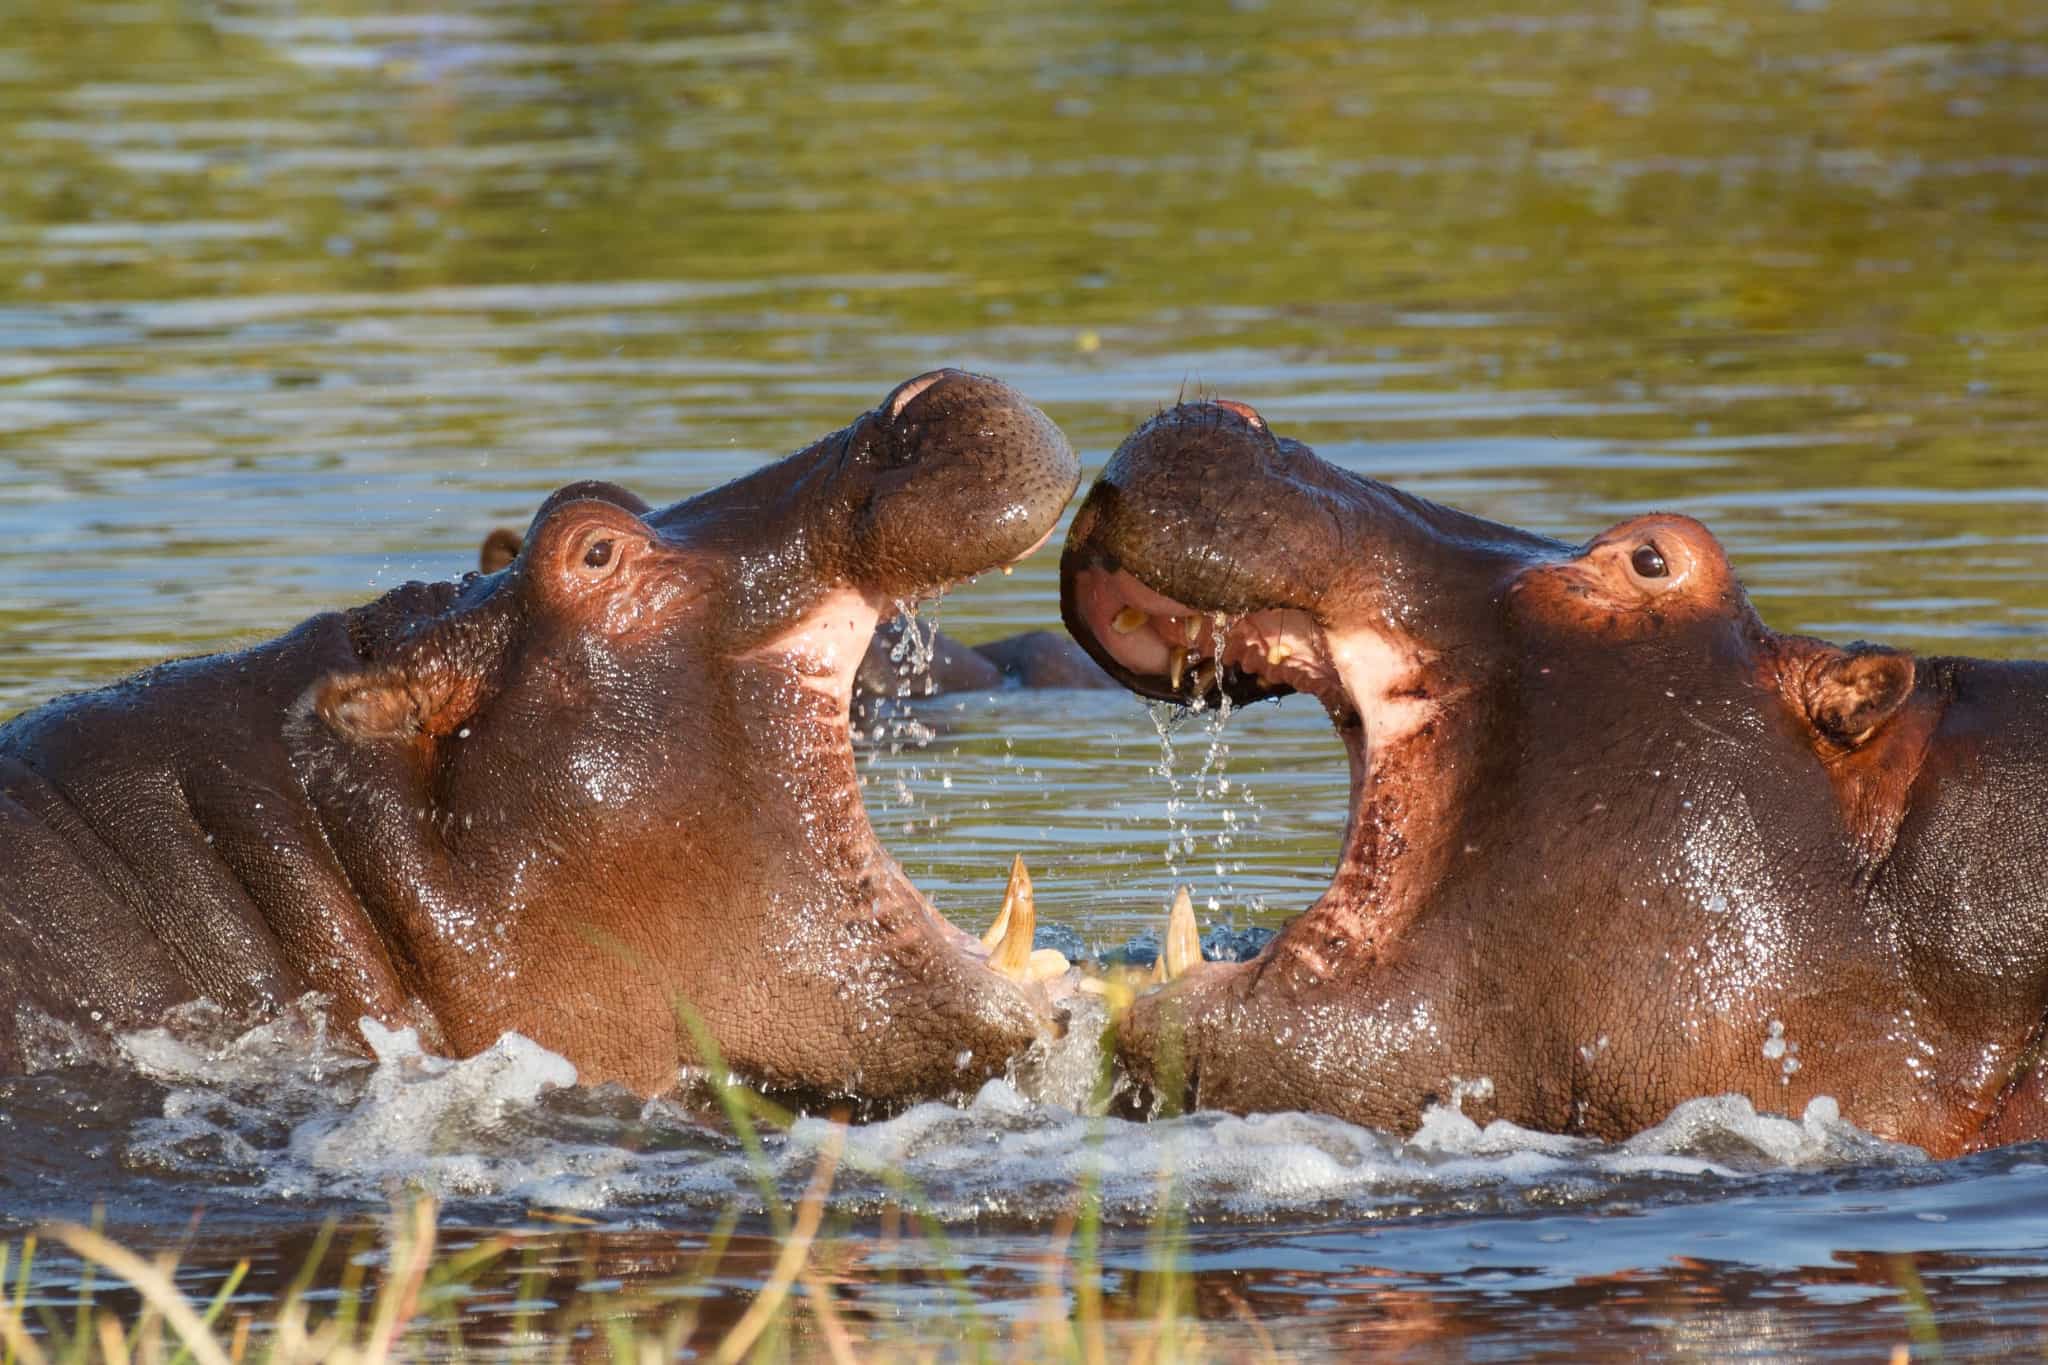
[1612,844]
[585,797]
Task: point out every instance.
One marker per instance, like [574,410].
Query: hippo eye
[598,555]
[1648,561]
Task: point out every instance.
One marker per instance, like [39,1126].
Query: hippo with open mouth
[1612,844]
[604,797]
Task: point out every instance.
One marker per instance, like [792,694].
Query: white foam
[428,1119]
[278,1110]
[202,1044]
[1729,1125]
[48,1043]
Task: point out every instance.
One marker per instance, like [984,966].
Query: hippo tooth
[1019,921]
[996,931]
[1176,665]
[1183,946]
[1045,964]
[1205,678]
[1128,620]
[1277,653]
[1183,940]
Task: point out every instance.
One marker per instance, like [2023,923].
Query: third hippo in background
[1612,843]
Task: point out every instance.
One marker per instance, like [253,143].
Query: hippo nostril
[896,402]
[1243,410]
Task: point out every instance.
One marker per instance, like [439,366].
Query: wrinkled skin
[1032,658]
[1613,843]
[609,780]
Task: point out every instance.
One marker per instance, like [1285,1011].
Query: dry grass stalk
[400,1295]
[796,1249]
[19,1343]
[150,1281]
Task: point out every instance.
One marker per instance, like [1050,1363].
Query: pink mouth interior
[1142,628]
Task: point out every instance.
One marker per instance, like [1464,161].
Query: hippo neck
[787,706]
[1408,784]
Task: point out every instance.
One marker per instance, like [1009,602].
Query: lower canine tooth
[1176,666]
[1183,940]
[1128,620]
[1183,946]
[1010,936]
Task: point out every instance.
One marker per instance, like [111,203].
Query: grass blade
[150,1282]
[21,1347]
[796,1249]
[220,1301]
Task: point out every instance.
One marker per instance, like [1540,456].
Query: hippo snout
[952,475]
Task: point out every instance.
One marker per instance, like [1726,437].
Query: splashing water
[914,650]
[1207,792]
[898,728]
[278,1112]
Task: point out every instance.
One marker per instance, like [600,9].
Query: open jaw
[823,970]
[1370,683]
[822,653]
[1214,561]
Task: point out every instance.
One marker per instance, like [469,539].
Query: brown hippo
[1613,843]
[1032,658]
[576,798]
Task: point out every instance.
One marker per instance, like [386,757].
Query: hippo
[888,671]
[604,796]
[1612,842]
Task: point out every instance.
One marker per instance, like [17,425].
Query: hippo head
[606,795]
[1611,841]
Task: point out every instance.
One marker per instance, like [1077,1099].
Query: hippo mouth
[1007,947]
[814,662]
[1199,655]
[822,654]
[1371,685]
[1215,563]
[1172,650]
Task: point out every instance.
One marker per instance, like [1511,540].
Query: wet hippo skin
[1033,658]
[1612,842]
[565,798]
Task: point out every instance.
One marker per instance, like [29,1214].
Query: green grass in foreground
[424,1301]
[421,1300]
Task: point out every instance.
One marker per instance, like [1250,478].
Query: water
[298,302]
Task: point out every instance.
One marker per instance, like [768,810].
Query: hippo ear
[399,701]
[500,548]
[1849,693]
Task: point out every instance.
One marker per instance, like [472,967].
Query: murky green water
[296,301]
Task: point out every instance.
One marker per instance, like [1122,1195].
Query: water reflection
[1322,1292]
